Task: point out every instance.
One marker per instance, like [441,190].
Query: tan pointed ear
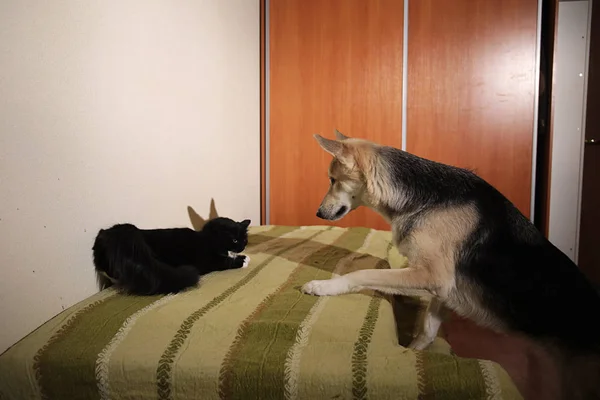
[213,210]
[196,220]
[340,136]
[333,147]
[340,150]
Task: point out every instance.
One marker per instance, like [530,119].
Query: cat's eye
[234,240]
[332,180]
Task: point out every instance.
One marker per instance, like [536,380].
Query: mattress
[251,334]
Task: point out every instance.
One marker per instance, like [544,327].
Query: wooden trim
[554,23]
[545,148]
[263,115]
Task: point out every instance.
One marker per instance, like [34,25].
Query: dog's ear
[340,150]
[333,147]
[340,136]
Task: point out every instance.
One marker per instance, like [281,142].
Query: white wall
[569,92]
[111,112]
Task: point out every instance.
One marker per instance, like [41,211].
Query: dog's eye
[332,180]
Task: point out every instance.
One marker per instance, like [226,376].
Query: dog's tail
[122,258]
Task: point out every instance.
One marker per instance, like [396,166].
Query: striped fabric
[249,334]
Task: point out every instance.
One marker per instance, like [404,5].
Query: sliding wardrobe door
[331,64]
[472,87]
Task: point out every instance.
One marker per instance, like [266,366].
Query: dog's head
[347,189]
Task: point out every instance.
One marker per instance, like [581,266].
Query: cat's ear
[245,223]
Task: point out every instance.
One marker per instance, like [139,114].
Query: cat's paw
[241,262]
[246,261]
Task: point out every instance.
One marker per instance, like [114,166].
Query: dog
[471,249]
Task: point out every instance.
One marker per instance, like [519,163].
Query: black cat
[160,261]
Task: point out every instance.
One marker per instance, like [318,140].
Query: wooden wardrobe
[462,92]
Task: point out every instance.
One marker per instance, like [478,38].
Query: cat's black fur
[160,261]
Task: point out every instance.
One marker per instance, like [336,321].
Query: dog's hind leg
[431,325]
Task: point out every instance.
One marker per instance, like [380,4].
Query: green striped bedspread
[248,334]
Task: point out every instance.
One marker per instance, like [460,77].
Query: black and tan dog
[471,249]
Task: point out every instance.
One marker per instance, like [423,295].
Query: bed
[251,334]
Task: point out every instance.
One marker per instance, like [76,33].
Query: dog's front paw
[328,287]
[421,342]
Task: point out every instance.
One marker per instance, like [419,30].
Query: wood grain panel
[334,64]
[471,86]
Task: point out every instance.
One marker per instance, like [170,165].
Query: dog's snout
[320,214]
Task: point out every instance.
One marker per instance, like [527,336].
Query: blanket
[250,334]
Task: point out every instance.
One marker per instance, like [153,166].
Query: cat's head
[226,234]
